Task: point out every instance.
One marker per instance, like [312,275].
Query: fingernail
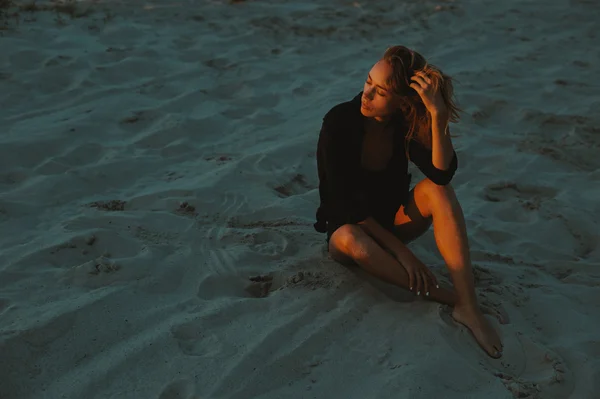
[410,288]
[437,286]
[418,292]
[427,293]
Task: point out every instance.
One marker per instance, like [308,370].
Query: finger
[411,279]
[417,88]
[424,76]
[419,282]
[425,283]
[419,80]
[433,279]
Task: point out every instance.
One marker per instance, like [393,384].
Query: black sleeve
[344,205]
[422,157]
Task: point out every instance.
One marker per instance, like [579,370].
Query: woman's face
[378,100]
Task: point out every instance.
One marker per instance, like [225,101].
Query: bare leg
[449,229]
[428,201]
[350,243]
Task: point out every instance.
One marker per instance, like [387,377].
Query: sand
[158,189]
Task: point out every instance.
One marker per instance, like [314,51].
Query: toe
[494,352]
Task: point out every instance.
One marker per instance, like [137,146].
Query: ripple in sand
[196,339]
[4,305]
[80,250]
[179,389]
[26,60]
[15,177]
[270,243]
[82,154]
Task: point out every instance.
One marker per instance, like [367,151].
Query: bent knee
[350,240]
[346,235]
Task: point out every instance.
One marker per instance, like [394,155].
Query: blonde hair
[405,62]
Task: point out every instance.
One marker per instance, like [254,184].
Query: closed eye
[379,92]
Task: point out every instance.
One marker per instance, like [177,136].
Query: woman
[366,207]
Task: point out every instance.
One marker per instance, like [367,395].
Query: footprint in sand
[236,286]
[196,339]
[94,273]
[571,139]
[295,186]
[179,389]
[303,90]
[268,243]
[261,285]
[485,278]
[529,196]
[186,209]
[526,368]
[232,236]
[111,205]
[79,251]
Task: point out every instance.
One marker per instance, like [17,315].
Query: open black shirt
[348,192]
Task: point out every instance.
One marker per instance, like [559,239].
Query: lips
[365,106]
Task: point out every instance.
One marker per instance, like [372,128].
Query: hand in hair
[430,93]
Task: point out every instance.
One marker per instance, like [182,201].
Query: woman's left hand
[431,98]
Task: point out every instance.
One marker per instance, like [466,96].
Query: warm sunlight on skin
[435,201]
[378,101]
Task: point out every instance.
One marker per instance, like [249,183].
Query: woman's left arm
[424,157]
[442,150]
[441,144]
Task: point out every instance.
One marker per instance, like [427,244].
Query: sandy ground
[158,189]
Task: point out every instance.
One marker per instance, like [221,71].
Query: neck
[382,120]
[376,125]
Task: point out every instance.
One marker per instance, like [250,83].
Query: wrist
[439,116]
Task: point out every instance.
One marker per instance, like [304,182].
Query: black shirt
[348,192]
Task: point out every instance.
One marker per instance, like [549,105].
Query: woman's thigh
[414,219]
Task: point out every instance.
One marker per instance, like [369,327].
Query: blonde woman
[367,208]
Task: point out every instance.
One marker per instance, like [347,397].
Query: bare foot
[480,327]
[495,310]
